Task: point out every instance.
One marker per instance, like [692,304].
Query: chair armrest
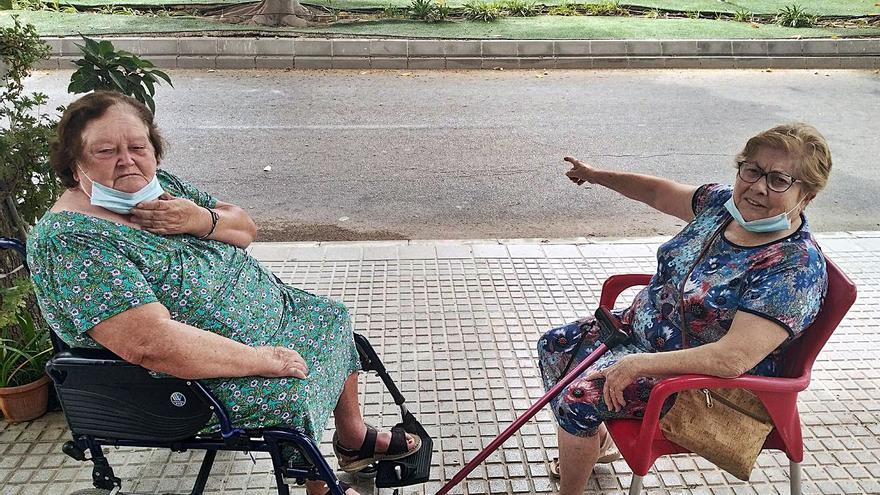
[616,284]
[98,357]
[669,386]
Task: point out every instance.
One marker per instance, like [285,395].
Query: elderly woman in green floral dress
[132,259]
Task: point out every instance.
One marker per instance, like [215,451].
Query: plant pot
[26,402]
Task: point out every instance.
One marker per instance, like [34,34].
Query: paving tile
[643,48]
[610,62]
[426,63]
[196,62]
[574,62]
[678,48]
[537,63]
[500,62]
[350,62]
[490,251]
[273,62]
[388,63]
[464,63]
[197,47]
[535,48]
[499,48]
[312,48]
[571,48]
[303,62]
[276,47]
[239,47]
[749,48]
[787,48]
[722,48]
[608,48]
[350,48]
[462,48]
[425,48]
[243,62]
[819,47]
[388,48]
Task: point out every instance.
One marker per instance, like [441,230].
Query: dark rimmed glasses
[776,181]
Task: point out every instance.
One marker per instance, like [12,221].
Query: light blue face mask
[119,201]
[761,225]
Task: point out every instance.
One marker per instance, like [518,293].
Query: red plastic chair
[641,442]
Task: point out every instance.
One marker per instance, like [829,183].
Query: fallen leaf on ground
[210,70]
[755,25]
[406,73]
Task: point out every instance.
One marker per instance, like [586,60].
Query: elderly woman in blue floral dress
[739,283]
[132,259]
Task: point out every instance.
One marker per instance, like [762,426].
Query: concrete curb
[331,53]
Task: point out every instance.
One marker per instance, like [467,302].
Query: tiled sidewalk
[456,323]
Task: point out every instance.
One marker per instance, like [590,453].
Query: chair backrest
[800,356]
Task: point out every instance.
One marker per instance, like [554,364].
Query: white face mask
[119,201]
[761,225]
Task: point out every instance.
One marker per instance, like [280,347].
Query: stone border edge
[332,53]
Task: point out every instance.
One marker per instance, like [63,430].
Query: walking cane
[610,334]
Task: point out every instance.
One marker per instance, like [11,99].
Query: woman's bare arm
[147,336]
[168,215]
[667,196]
[750,339]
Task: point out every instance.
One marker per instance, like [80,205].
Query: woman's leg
[350,424]
[577,455]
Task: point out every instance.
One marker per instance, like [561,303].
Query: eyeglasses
[776,181]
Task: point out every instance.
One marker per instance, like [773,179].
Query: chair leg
[635,486]
[794,474]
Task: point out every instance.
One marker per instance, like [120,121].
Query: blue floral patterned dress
[783,281]
[87,269]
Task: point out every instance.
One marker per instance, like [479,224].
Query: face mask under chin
[117,201]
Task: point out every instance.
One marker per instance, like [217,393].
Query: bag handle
[703,251]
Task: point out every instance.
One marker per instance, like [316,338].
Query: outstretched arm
[147,336]
[664,195]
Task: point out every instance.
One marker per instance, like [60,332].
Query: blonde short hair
[804,144]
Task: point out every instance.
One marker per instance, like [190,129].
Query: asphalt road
[450,155]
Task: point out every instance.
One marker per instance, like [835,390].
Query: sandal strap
[398,444]
[368,448]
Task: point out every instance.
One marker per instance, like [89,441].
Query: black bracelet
[214,218]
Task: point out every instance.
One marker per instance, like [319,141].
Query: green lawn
[823,7]
[543,27]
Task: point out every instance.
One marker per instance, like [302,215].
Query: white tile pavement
[456,322]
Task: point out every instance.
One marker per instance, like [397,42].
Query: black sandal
[355,460]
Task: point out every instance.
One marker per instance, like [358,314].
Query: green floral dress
[86,270]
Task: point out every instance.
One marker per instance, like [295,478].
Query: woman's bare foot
[320,488]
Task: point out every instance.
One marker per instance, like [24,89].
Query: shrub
[606,8]
[27,184]
[652,14]
[519,8]
[566,9]
[742,15]
[429,11]
[795,16]
[481,11]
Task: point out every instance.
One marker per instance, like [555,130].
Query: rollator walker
[110,402]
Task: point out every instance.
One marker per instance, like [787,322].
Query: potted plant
[24,349]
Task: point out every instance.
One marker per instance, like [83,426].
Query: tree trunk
[267,13]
